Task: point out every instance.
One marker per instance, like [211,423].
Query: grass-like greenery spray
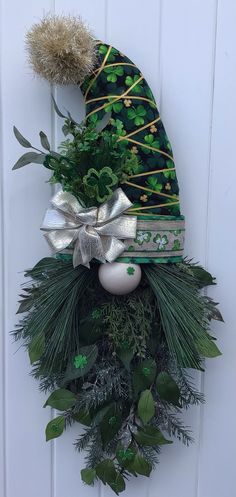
[117,365]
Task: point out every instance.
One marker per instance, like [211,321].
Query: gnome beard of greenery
[114,319]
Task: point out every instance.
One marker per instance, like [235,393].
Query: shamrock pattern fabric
[157,240]
[116,86]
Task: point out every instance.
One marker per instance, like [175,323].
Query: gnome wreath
[112,342]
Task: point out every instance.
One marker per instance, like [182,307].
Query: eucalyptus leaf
[118,484]
[126,356]
[167,388]
[20,138]
[110,424]
[100,414]
[150,436]
[65,130]
[146,407]
[59,113]
[82,416]
[144,375]
[55,428]
[44,141]
[28,158]
[61,399]
[106,472]
[103,123]
[72,119]
[36,347]
[88,475]
[141,465]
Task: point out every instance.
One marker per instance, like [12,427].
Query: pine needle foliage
[54,313]
[118,364]
[182,312]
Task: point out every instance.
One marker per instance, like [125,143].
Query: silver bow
[95,232]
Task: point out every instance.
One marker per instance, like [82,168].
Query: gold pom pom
[61,49]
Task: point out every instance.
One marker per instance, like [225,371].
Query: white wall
[187,51]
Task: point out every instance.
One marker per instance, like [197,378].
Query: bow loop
[95,232]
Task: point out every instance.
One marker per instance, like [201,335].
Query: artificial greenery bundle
[110,342]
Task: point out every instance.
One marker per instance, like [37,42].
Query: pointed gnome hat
[117,86]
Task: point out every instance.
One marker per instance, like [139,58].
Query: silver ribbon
[95,232]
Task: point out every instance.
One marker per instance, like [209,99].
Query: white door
[187,51]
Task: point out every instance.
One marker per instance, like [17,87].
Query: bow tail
[112,247]
[88,246]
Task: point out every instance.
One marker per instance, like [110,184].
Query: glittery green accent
[112,420]
[80,361]
[54,428]
[146,371]
[96,314]
[126,455]
[130,270]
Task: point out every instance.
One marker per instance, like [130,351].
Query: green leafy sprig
[90,163]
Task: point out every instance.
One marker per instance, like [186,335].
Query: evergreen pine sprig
[117,365]
[182,313]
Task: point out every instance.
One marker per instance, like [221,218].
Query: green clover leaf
[161,241]
[142,237]
[176,245]
[93,118]
[152,183]
[116,106]
[169,174]
[100,183]
[103,49]
[137,114]
[118,125]
[130,270]
[113,72]
[129,81]
[150,140]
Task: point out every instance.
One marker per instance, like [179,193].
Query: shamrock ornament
[99,183]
